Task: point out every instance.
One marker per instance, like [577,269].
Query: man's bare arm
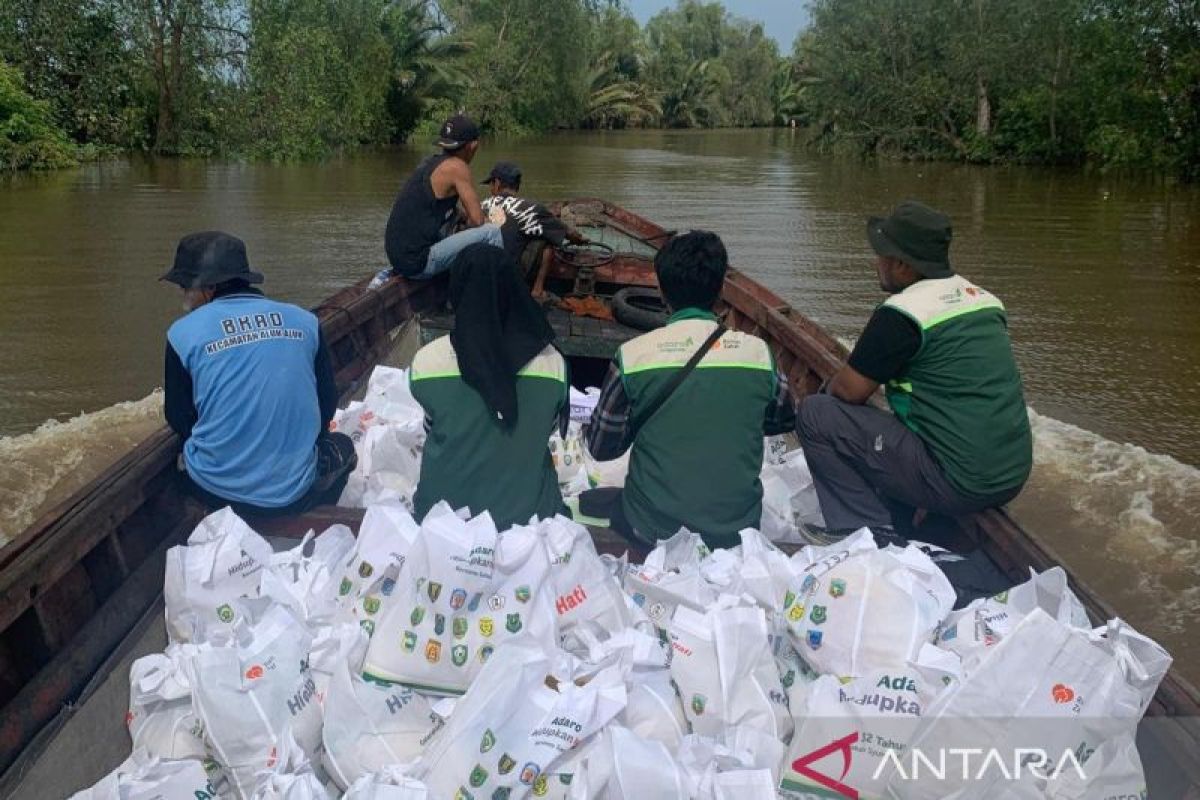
[468,198]
[851,386]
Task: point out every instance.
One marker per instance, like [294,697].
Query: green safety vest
[469,460]
[696,462]
[961,393]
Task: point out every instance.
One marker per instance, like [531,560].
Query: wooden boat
[76,584]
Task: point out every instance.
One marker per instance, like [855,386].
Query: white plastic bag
[292,777]
[144,777]
[388,395]
[389,465]
[253,694]
[567,454]
[1044,686]
[983,623]
[789,498]
[585,592]
[369,726]
[307,584]
[369,575]
[463,590]
[606,473]
[670,577]
[390,783]
[219,564]
[722,664]
[852,608]
[739,763]
[517,721]
[1114,770]
[625,766]
[161,720]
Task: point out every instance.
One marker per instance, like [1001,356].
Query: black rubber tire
[629,308]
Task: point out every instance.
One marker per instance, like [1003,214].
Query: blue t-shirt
[254,386]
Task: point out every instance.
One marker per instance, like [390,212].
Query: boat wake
[46,466]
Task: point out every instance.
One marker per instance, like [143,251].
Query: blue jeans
[442,254]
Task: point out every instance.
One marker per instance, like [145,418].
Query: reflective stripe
[958,312]
[932,302]
[679,364]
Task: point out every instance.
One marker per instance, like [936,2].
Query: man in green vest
[959,438]
[493,391]
[696,456]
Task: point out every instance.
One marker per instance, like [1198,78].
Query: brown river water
[1101,276]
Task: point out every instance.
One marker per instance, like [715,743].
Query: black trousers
[336,459]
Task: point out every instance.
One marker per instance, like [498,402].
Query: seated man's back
[696,457]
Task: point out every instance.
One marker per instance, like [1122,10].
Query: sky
[782,19]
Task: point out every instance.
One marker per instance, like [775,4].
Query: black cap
[209,258]
[456,132]
[917,235]
[506,172]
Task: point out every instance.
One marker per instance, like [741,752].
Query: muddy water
[1101,276]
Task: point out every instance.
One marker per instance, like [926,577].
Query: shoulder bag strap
[676,379]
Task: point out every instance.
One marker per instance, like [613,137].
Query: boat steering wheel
[590,254]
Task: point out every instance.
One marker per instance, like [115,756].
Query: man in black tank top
[416,239]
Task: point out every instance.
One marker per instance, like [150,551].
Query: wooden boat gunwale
[71,581]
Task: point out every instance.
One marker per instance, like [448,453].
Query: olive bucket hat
[210,258]
[917,235]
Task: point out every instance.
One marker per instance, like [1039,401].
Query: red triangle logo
[801,766]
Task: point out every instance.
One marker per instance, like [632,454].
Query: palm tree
[787,95]
[693,103]
[614,101]
[427,62]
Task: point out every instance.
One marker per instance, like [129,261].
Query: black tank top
[416,221]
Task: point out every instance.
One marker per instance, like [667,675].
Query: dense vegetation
[1112,82]
[301,78]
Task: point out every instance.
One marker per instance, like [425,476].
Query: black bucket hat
[917,235]
[209,258]
[506,172]
[457,131]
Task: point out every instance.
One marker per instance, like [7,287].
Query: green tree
[616,101]
[28,137]
[427,63]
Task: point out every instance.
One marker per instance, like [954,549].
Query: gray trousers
[865,463]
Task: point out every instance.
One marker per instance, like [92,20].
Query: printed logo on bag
[837,587]
[417,615]
[1062,693]
[789,598]
[439,624]
[814,639]
[522,594]
[572,601]
[495,602]
[254,673]
[433,651]
[459,625]
[225,613]
[950,634]
[389,586]
[565,778]
[502,793]
[514,623]
[458,654]
[345,587]
[796,613]
[474,604]
[787,679]
[488,741]
[802,766]
[365,570]
[368,625]
[506,764]
[541,786]
[485,626]
[410,641]
[698,703]
[1002,597]
[128,718]
[458,599]
[639,599]
[478,777]
[485,653]
[529,773]
[818,615]
[463,794]
[656,611]
[809,585]
[435,591]
[371,605]
[272,757]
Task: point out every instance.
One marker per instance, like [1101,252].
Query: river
[1101,276]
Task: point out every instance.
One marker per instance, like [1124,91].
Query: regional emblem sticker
[365,570]
[439,624]
[698,703]
[435,591]
[458,599]
[478,776]
[495,602]
[433,651]
[529,773]
[502,793]
[389,586]
[458,654]
[368,625]
[345,588]
[814,639]
[485,626]
[837,587]
[796,613]
[513,623]
[809,585]
[371,605]
[410,641]
[541,786]
[225,612]
[522,594]
[474,604]
[459,625]
[485,653]
[506,764]
[488,741]
[789,598]
[818,615]
[418,614]
[463,794]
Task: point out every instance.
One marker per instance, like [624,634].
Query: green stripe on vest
[696,462]
[961,393]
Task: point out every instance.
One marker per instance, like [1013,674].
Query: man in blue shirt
[249,388]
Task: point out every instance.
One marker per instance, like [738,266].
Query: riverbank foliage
[285,79]
[1112,82]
